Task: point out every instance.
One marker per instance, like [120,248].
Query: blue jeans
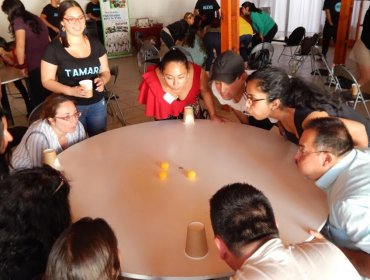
[211,40]
[244,43]
[94,117]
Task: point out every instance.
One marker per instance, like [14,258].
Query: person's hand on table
[218,118]
[99,84]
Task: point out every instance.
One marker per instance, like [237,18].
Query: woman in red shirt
[174,84]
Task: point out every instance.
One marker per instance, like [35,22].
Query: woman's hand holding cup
[99,84]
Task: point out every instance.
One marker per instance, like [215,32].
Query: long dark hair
[252,7]
[14,9]
[34,210]
[63,7]
[293,92]
[192,32]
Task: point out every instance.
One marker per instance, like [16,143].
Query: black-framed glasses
[70,117]
[301,152]
[250,97]
[74,20]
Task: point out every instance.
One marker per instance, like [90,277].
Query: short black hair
[241,214]
[331,135]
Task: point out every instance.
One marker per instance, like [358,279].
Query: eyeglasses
[250,98]
[74,20]
[301,152]
[70,117]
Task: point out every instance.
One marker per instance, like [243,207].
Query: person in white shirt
[247,238]
[228,86]
[326,154]
[58,129]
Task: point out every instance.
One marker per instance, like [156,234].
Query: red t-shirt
[151,94]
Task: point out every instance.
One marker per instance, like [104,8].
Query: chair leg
[281,53]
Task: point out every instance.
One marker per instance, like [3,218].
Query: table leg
[6,105]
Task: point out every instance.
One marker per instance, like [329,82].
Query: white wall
[165,11]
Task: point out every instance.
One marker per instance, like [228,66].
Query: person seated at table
[228,84]
[174,33]
[174,84]
[5,138]
[326,154]
[247,239]
[86,250]
[270,93]
[34,211]
[8,56]
[58,129]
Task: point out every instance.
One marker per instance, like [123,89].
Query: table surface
[10,74]
[115,176]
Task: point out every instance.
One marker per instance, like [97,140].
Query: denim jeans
[94,117]
[212,40]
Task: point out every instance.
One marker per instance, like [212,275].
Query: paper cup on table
[49,157]
[196,240]
[188,115]
[88,86]
[354,91]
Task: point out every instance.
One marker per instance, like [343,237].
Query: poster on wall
[116,27]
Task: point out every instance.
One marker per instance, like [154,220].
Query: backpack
[259,60]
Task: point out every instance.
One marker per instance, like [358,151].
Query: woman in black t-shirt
[73,57]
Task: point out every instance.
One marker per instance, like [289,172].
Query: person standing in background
[93,12]
[208,10]
[332,10]
[74,57]
[31,39]
[49,16]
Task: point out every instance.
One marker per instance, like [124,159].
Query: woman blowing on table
[174,84]
[73,57]
[58,129]
[271,93]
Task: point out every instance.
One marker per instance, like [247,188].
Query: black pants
[329,32]
[37,92]
[167,39]
[271,34]
[23,91]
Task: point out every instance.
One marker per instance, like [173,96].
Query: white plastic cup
[354,91]
[188,115]
[49,156]
[88,87]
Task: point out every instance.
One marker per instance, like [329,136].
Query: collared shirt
[347,185]
[317,259]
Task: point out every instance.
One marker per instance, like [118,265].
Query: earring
[63,29]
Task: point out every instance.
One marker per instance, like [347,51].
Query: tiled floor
[128,83]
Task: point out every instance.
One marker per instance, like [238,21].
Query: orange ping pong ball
[162,175]
[191,174]
[165,165]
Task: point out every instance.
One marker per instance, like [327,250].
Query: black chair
[293,41]
[353,95]
[303,51]
[112,104]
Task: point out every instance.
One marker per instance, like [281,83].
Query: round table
[114,175]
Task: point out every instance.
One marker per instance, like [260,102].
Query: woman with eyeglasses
[270,93]
[31,39]
[58,129]
[73,57]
